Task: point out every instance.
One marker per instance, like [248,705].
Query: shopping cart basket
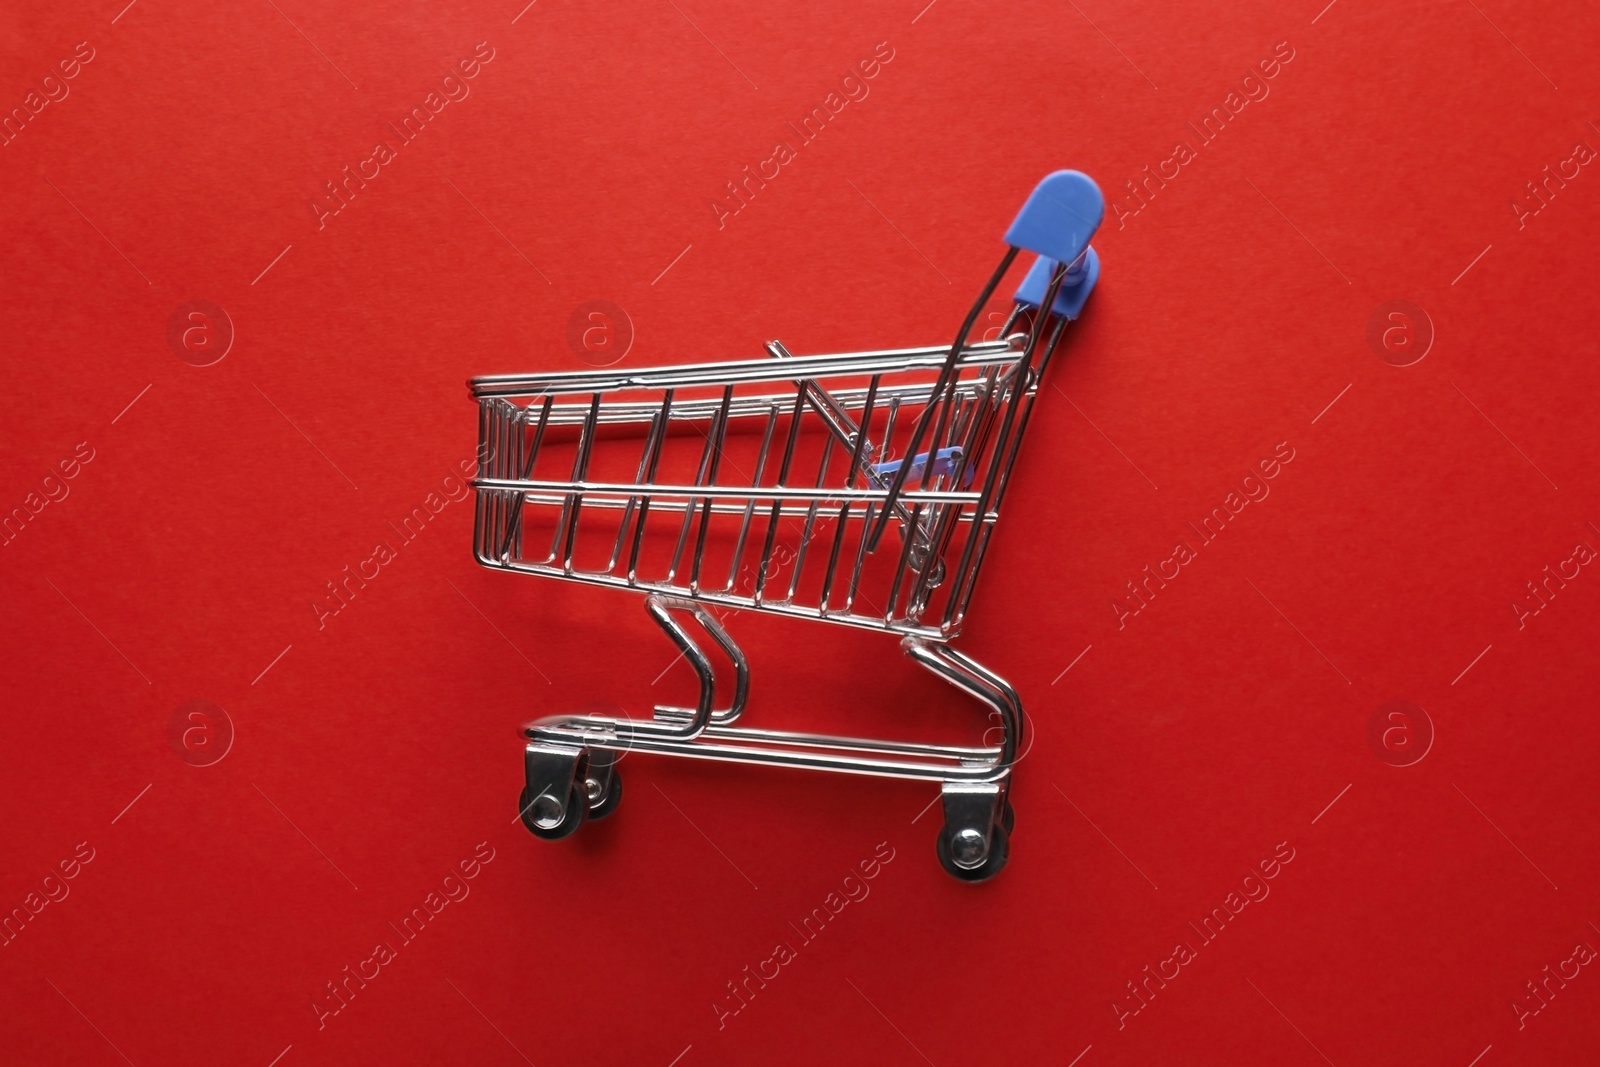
[859,489]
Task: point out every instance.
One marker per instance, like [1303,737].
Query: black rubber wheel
[999,851]
[1008,818]
[571,819]
[609,802]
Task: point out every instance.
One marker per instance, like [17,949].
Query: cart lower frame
[571,760]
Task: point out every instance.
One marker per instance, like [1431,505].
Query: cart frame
[825,476]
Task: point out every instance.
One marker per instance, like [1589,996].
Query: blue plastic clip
[1075,287]
[944,462]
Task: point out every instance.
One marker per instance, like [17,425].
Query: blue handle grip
[1059,217]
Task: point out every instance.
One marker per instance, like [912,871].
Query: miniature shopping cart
[859,489]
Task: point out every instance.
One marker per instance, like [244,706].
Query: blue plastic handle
[1075,287]
[1060,216]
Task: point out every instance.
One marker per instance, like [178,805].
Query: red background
[371,755]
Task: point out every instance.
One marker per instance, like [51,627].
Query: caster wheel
[1008,818]
[999,850]
[538,819]
[608,803]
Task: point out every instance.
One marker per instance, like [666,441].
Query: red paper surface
[180,522]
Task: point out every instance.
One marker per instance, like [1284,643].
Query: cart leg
[975,841]
[693,720]
[554,801]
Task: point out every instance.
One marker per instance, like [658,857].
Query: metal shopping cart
[859,489]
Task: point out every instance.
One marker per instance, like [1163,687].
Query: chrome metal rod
[932,357]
